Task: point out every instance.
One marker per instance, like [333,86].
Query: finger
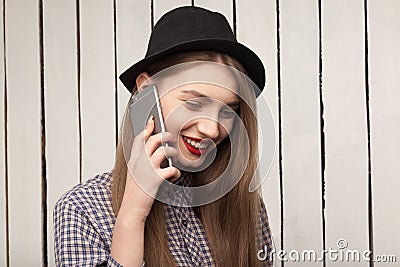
[156,140]
[162,153]
[170,172]
[148,130]
[139,140]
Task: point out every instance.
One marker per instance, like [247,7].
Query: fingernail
[151,117]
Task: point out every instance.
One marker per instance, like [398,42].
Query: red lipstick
[192,149]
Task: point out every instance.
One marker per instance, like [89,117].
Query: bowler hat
[190,28]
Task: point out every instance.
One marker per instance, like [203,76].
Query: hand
[144,175]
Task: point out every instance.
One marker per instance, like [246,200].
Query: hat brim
[249,60]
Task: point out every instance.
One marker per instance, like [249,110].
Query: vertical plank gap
[7,230]
[278,43]
[152,14]
[322,133]
[234,16]
[115,71]
[43,140]
[192,2]
[370,197]
[78,72]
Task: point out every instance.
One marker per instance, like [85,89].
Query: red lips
[194,139]
[192,149]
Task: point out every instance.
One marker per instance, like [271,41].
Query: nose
[209,128]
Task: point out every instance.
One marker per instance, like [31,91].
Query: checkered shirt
[84,221]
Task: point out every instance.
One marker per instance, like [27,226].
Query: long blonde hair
[230,222]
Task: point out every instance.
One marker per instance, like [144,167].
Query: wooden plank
[345,128]
[134,17]
[384,84]
[133,33]
[301,141]
[62,136]
[97,86]
[224,7]
[3,199]
[263,14]
[24,132]
[161,7]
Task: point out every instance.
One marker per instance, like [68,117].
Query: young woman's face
[196,112]
[199,104]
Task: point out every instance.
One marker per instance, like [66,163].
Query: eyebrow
[198,94]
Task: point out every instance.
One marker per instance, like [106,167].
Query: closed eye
[193,105]
[228,113]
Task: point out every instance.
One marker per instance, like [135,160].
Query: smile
[193,146]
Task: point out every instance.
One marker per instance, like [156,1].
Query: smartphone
[143,105]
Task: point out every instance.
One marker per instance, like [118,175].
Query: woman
[112,220]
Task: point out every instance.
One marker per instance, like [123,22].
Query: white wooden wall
[333,70]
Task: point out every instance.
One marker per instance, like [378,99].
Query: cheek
[226,127]
[175,123]
[174,117]
[168,107]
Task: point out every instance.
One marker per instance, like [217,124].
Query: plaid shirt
[84,220]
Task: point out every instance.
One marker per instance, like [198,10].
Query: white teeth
[194,143]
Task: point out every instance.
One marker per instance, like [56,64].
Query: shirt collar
[185,180]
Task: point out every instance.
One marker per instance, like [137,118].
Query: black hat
[190,28]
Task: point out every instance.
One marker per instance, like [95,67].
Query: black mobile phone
[143,105]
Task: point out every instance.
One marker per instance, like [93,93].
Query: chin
[196,164]
[190,163]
